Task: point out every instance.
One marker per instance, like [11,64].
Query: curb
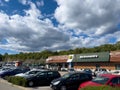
[6,82]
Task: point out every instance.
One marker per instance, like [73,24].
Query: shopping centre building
[109,60]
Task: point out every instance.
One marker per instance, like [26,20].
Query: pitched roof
[115,56]
[57,59]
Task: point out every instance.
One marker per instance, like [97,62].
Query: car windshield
[71,69]
[31,72]
[66,75]
[5,69]
[100,80]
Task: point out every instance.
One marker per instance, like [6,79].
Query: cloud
[90,16]
[81,23]
[29,32]
[7,0]
[24,2]
[40,3]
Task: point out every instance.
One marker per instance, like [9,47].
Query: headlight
[55,83]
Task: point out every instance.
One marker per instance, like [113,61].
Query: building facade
[57,62]
[108,60]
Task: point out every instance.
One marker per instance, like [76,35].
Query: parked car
[104,79]
[12,72]
[4,69]
[71,70]
[117,72]
[70,81]
[102,72]
[64,69]
[98,70]
[31,72]
[87,70]
[42,78]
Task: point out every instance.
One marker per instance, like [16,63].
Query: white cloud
[89,15]
[7,0]
[40,3]
[24,2]
[29,33]
[83,23]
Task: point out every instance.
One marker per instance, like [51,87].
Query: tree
[1,57]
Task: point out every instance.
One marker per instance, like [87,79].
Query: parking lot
[41,88]
[4,85]
[7,86]
[70,79]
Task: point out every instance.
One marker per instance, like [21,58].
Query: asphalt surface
[4,85]
[7,86]
[42,88]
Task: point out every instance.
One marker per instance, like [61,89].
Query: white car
[117,72]
[31,72]
[71,70]
[101,72]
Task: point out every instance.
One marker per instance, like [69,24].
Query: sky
[55,25]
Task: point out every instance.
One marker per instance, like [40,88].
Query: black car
[70,81]
[42,78]
[87,70]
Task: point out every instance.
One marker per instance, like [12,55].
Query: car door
[41,78]
[84,77]
[51,75]
[115,82]
[72,82]
[118,82]
[17,71]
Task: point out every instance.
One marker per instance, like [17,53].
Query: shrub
[17,80]
[100,88]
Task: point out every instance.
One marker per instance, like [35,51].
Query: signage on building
[70,58]
[88,56]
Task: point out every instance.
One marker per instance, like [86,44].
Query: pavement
[5,85]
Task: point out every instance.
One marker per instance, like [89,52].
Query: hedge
[100,88]
[17,80]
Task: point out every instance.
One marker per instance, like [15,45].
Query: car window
[33,72]
[100,80]
[84,76]
[119,80]
[103,69]
[56,74]
[50,74]
[42,74]
[17,70]
[116,80]
[75,77]
[66,76]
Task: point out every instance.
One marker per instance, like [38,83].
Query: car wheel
[63,88]
[30,83]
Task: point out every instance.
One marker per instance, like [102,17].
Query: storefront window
[97,66]
[117,67]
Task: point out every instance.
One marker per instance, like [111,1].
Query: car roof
[38,70]
[110,75]
[77,72]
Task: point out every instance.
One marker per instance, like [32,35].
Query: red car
[104,79]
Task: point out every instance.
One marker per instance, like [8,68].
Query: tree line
[41,56]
